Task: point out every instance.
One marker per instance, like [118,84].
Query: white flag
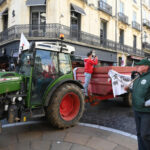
[119,81]
[24,43]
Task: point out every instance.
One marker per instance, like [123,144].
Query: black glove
[134,74]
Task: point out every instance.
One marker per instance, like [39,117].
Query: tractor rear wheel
[66,106]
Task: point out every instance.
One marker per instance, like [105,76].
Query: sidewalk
[43,137]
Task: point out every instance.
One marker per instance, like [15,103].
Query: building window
[38,17]
[134,41]
[134,1]
[134,16]
[75,24]
[103,32]
[144,36]
[5,19]
[144,14]
[121,38]
[121,7]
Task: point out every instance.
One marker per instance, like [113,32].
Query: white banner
[119,81]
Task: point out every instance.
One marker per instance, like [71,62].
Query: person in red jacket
[88,70]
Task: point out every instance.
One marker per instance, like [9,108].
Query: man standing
[88,70]
[140,94]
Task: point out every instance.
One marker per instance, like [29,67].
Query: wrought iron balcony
[52,32]
[136,25]
[146,45]
[105,7]
[2,1]
[123,18]
[146,23]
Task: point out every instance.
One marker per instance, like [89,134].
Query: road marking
[82,124]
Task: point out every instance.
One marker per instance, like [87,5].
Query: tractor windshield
[24,63]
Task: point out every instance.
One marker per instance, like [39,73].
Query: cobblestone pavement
[110,113]
[43,137]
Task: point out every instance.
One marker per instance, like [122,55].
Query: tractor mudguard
[50,93]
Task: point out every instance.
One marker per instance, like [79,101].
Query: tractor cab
[42,65]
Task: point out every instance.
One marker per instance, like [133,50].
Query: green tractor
[42,85]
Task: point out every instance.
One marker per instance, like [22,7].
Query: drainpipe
[141,26]
[116,22]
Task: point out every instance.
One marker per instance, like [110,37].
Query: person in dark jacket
[141,94]
[88,70]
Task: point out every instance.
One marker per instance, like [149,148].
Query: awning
[36,2]
[78,9]
[136,57]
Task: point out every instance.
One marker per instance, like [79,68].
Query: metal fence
[123,18]
[50,31]
[136,25]
[105,7]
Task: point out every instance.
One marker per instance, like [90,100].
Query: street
[110,113]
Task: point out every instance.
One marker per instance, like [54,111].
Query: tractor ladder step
[37,113]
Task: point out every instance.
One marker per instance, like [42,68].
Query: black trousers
[142,120]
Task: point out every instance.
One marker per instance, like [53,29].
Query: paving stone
[75,129]
[20,146]
[76,138]
[30,136]
[124,141]
[40,145]
[8,139]
[95,132]
[119,147]
[100,144]
[4,148]
[54,135]
[80,147]
[58,145]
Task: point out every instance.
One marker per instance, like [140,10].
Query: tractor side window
[24,66]
[64,63]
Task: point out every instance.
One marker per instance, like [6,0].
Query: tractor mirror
[30,60]
[31,46]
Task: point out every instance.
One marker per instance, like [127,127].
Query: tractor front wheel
[128,99]
[66,106]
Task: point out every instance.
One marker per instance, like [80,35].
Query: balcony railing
[123,18]
[1,1]
[146,23]
[136,25]
[52,31]
[146,45]
[105,7]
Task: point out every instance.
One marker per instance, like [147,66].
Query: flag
[24,43]
[123,60]
[119,81]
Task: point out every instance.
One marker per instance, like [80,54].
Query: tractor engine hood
[10,82]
